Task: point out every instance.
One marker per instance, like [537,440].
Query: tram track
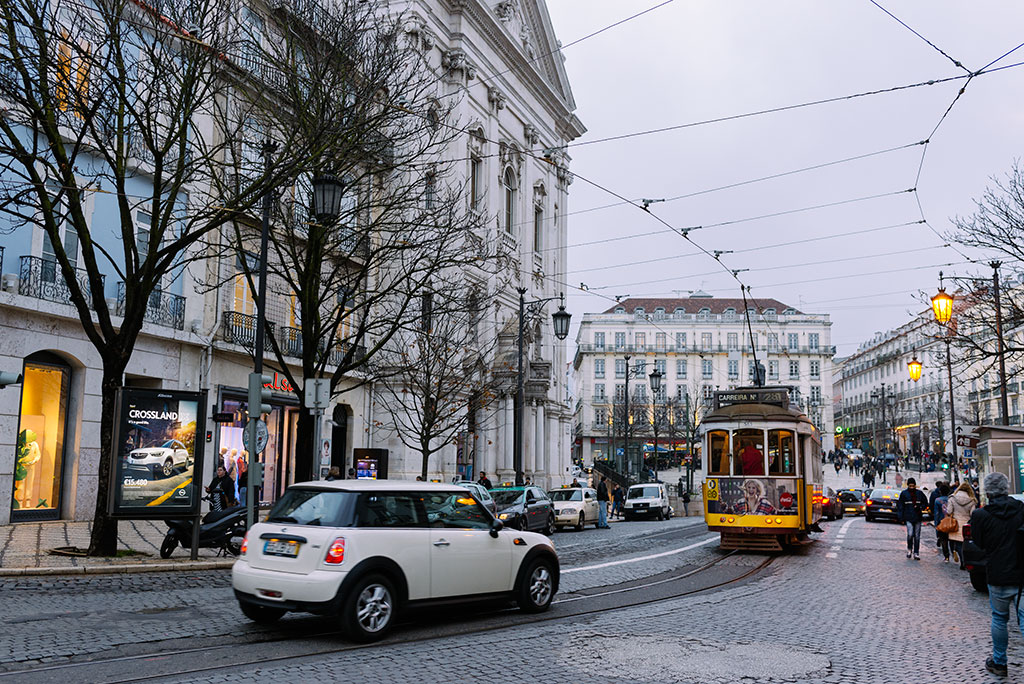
[153,664]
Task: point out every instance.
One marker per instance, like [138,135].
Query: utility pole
[626,425]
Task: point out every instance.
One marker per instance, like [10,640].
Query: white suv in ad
[364,550]
[646,501]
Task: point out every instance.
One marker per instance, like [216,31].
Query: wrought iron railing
[163,308]
[290,340]
[42,278]
[240,328]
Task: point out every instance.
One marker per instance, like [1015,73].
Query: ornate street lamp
[655,380]
[914,368]
[328,191]
[942,307]
[560,320]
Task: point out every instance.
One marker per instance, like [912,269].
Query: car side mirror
[496,526]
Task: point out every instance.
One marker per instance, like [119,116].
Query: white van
[646,501]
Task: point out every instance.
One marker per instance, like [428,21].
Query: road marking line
[836,548]
[641,558]
[846,525]
[831,555]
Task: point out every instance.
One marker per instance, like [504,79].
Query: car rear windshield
[566,495]
[315,507]
[849,497]
[643,492]
[506,496]
[884,494]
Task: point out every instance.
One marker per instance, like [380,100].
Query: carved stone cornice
[496,98]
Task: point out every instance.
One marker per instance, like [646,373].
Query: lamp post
[914,370]
[655,380]
[942,307]
[1000,345]
[560,321]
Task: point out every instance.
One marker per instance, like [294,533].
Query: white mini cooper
[365,549]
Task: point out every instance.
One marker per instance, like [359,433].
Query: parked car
[525,508]
[160,461]
[831,506]
[852,501]
[974,558]
[881,503]
[481,494]
[365,550]
[574,506]
[647,500]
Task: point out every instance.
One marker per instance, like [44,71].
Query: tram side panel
[754,505]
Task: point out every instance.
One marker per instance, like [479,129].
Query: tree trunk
[103,539]
[426,460]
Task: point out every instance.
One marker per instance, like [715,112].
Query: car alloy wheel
[168,468]
[370,609]
[537,587]
[549,529]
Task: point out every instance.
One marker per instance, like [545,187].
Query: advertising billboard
[158,453]
[752,495]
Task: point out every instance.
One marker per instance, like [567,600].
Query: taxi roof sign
[776,396]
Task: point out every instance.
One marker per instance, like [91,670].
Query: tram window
[781,452]
[748,452]
[718,452]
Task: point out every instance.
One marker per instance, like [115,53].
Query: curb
[123,568]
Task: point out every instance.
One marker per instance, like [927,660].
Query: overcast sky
[693,60]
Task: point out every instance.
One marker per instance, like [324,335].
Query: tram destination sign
[776,397]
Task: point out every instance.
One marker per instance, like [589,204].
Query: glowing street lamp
[942,306]
[914,368]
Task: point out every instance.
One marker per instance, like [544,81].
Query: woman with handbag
[943,523]
[959,507]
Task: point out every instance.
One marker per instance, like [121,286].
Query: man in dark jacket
[910,511]
[602,503]
[931,506]
[994,529]
[484,481]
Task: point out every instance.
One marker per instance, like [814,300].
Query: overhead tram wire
[935,47]
[749,249]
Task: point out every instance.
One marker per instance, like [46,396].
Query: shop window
[781,453]
[748,452]
[39,451]
[718,452]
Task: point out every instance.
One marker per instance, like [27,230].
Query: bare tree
[377,127]
[115,105]
[438,381]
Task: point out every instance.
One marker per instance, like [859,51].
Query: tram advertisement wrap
[157,453]
[752,495]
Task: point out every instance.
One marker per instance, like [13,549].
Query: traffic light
[256,474]
[259,395]
[9,379]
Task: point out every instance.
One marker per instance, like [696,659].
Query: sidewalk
[25,550]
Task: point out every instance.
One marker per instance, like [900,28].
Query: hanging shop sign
[157,453]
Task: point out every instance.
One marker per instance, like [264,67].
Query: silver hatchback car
[480,493]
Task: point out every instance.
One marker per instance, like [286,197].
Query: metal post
[517,414]
[1001,346]
[261,323]
[952,412]
[689,446]
[625,429]
[654,426]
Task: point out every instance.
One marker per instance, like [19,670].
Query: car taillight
[966,529]
[245,544]
[868,502]
[336,552]
[824,499]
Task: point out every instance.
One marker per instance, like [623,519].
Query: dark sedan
[525,508]
[831,507]
[881,503]
[852,501]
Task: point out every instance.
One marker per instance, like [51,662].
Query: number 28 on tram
[762,469]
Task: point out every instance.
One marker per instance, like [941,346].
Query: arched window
[510,200]
[639,311]
[620,309]
[680,310]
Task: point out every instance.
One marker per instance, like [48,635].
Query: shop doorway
[39,448]
[339,438]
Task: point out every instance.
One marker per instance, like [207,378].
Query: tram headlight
[731,519]
[768,520]
[722,519]
[778,521]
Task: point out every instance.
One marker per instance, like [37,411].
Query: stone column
[530,438]
[543,449]
[505,457]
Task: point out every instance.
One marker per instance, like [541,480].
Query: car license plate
[885,510]
[850,510]
[277,547]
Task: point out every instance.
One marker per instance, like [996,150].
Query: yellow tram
[762,470]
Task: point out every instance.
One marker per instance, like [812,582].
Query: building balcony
[700,349]
[240,328]
[163,308]
[1014,420]
[600,399]
[43,279]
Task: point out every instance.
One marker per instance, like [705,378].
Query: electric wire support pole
[1001,345]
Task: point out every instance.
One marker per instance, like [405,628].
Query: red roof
[692,305]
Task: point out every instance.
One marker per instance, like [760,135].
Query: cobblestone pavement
[850,608]
[27,545]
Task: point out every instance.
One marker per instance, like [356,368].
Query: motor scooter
[219,529]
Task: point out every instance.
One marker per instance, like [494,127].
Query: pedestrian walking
[960,506]
[910,511]
[618,500]
[938,504]
[994,529]
[685,499]
[602,503]
[484,481]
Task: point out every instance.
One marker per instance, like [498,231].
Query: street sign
[967,453]
[317,393]
[966,442]
[967,429]
[262,435]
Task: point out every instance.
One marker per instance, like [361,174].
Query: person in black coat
[910,511]
[995,529]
